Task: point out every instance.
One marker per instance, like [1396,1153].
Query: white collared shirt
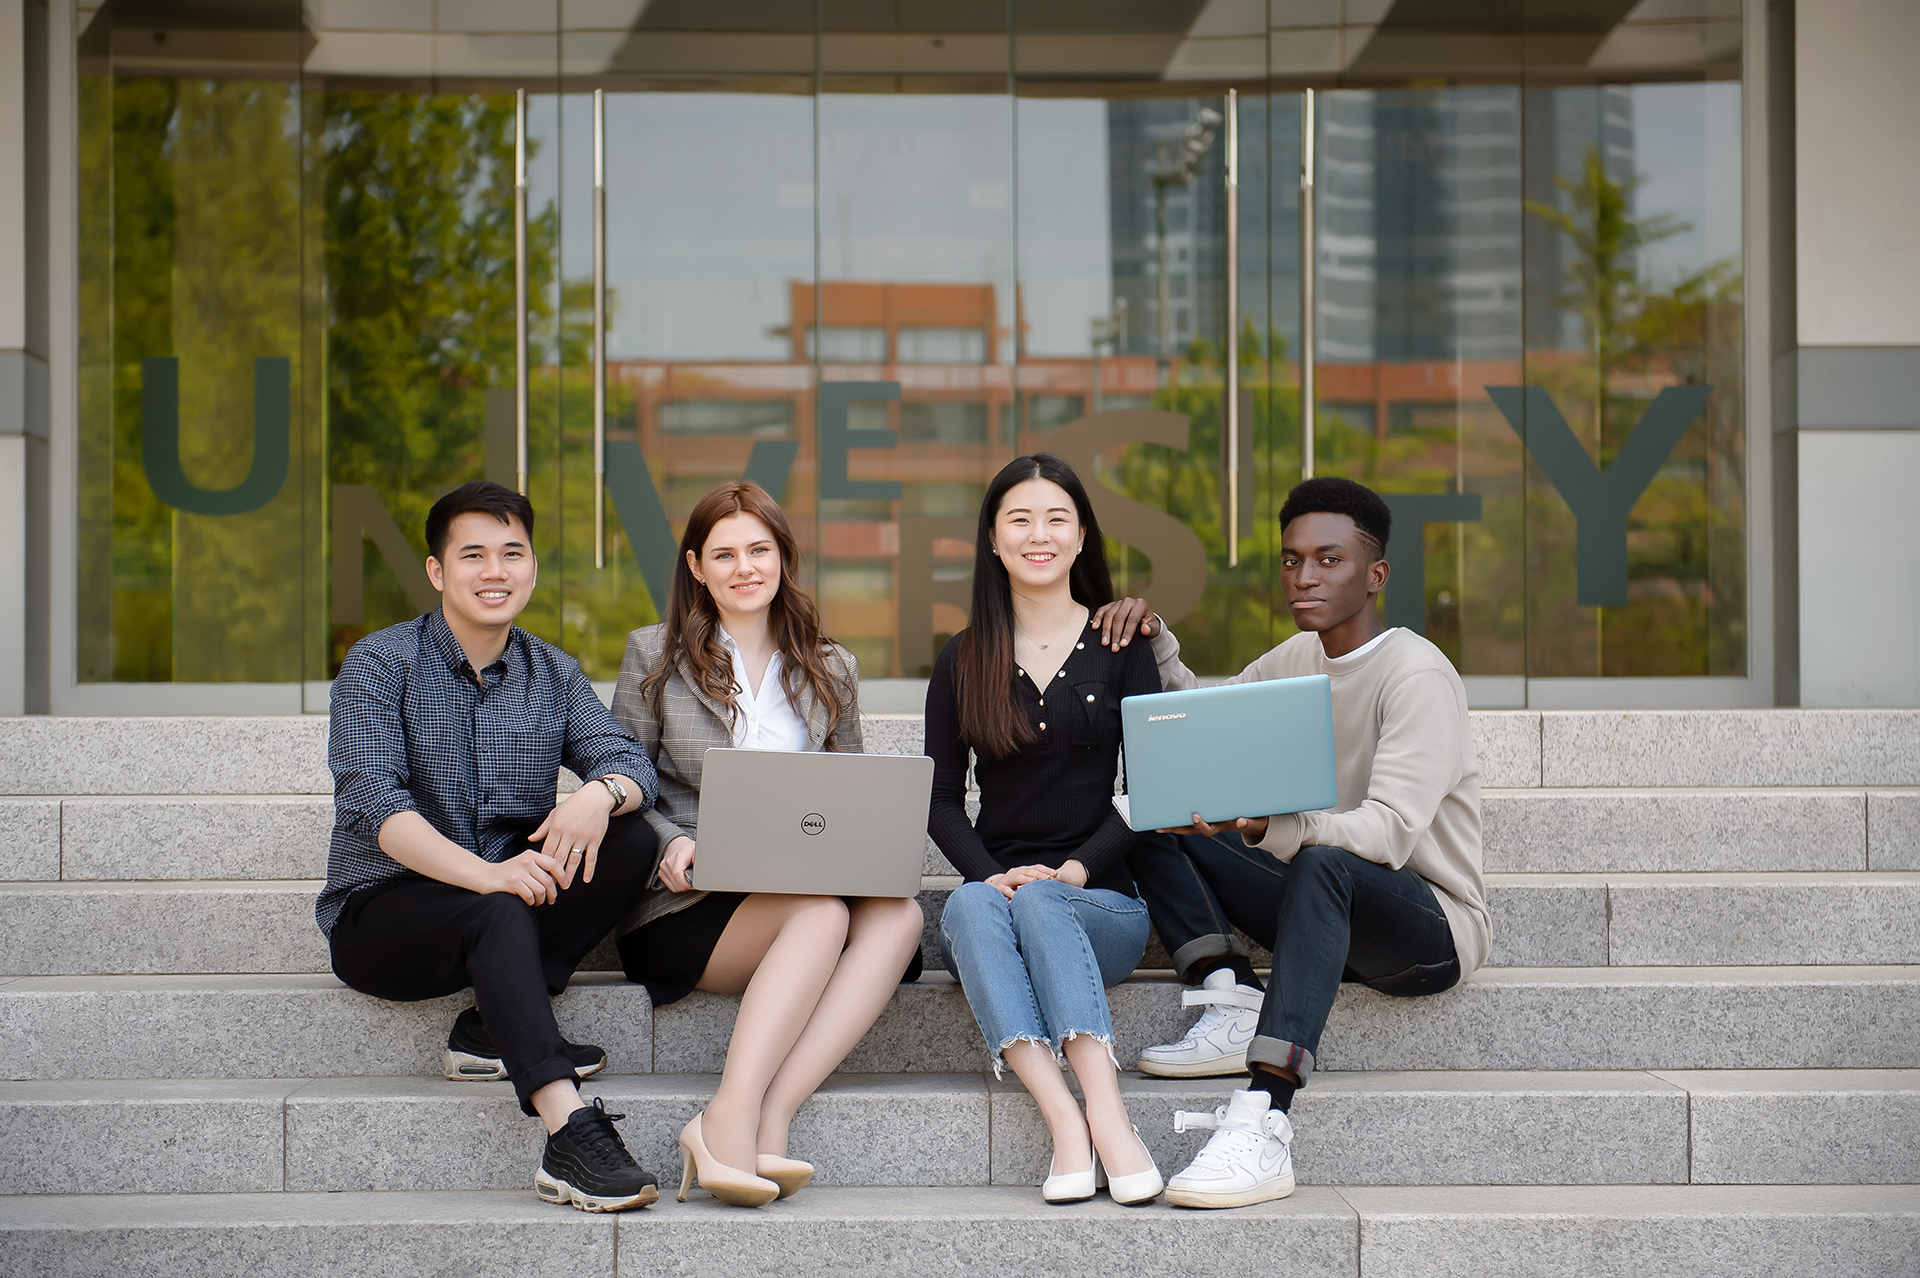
[766,721]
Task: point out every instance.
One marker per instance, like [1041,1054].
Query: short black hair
[1342,497]
[483,497]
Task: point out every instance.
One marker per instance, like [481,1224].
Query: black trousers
[419,938]
[1328,916]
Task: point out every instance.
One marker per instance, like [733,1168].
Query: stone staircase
[1697,1050]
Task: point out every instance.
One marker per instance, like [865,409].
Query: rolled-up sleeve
[597,746]
[367,745]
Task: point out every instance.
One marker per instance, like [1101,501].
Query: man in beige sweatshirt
[1386,889]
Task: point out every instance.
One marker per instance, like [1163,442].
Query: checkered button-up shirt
[411,731]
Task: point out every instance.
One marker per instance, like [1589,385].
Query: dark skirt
[669,954]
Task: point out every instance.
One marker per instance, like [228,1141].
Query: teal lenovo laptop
[1238,749]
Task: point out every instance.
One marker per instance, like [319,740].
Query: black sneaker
[587,1164]
[472,1057]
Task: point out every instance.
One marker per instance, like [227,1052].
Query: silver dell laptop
[1238,749]
[812,822]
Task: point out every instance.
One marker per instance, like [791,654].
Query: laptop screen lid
[812,822]
[1234,750]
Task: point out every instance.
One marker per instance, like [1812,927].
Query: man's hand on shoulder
[1119,621]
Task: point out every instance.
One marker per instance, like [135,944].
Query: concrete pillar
[1846,370]
[24,418]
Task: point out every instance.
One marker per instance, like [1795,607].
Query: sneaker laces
[1229,1144]
[1221,1005]
[599,1138]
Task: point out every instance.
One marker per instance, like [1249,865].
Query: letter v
[1600,502]
[636,501]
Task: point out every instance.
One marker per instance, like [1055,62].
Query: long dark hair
[693,619]
[990,718]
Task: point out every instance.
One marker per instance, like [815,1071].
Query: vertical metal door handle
[599,328]
[1307,282]
[520,287]
[1231,404]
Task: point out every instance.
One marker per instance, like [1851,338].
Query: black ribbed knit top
[1052,801]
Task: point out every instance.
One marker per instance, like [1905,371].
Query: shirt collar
[449,647]
[1358,655]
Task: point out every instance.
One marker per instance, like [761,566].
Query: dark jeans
[418,938]
[1327,915]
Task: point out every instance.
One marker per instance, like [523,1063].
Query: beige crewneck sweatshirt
[1409,782]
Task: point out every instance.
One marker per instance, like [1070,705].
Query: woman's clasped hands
[1071,873]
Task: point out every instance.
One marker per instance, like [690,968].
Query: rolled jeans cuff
[1213,945]
[1279,1054]
[551,1070]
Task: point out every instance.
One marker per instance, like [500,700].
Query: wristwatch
[618,791]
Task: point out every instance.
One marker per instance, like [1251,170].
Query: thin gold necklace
[1051,636]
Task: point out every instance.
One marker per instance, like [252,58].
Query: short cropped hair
[482,497]
[1342,497]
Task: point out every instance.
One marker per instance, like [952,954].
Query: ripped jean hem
[999,1053]
[1059,1055]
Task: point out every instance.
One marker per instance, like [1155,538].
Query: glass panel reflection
[865,254]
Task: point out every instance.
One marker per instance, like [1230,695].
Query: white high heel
[1069,1187]
[1139,1187]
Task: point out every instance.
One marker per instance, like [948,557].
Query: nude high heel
[790,1174]
[728,1184]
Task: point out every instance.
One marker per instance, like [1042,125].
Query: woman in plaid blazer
[740,661]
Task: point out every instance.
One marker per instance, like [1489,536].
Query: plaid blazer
[678,740]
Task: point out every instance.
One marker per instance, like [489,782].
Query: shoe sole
[465,1067]
[1219,1067]
[1265,1192]
[554,1190]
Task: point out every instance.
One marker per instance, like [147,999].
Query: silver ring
[578,851]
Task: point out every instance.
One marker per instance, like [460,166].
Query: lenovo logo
[1155,718]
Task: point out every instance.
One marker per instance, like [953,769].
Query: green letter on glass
[1600,502]
[160,439]
[836,440]
[1406,603]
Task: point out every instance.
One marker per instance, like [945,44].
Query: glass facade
[865,255]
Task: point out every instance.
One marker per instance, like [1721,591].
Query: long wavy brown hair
[693,619]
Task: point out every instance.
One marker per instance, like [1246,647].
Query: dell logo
[1155,718]
[812,823]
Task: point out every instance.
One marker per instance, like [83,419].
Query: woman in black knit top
[1048,917]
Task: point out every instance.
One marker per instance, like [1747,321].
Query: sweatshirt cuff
[1286,833]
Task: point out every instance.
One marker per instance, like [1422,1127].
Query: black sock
[1279,1091]
[1239,964]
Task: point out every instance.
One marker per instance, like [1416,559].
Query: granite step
[303,1026]
[1702,1231]
[1547,920]
[1565,831]
[1410,1128]
[283,754]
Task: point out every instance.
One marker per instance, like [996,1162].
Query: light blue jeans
[1036,968]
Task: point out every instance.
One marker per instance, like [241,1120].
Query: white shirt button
[1043,701]
[1079,645]
[1043,727]
[1089,696]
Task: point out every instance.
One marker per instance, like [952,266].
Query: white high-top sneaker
[1217,1043]
[1245,1161]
